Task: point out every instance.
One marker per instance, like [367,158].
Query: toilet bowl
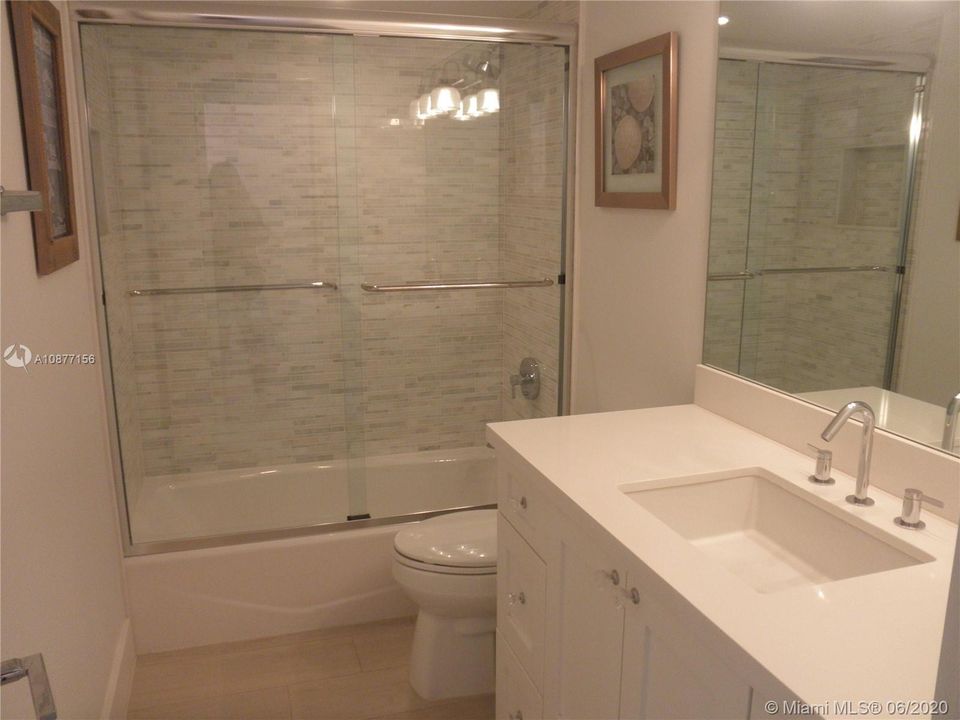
[448,566]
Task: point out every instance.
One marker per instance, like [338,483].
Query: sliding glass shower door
[269,207]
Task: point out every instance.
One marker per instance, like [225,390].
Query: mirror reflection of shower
[833,267]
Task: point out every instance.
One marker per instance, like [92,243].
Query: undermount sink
[770,533]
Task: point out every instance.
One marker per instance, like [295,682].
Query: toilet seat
[461,543]
[442,569]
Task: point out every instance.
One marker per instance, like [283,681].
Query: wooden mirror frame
[52,252]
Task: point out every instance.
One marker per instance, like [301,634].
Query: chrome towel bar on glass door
[466,285]
[750,274]
[318,285]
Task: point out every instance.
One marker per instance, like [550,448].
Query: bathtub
[336,574]
[223,502]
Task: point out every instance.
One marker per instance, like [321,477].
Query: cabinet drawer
[517,698]
[520,503]
[521,599]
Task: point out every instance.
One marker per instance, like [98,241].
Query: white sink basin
[770,533]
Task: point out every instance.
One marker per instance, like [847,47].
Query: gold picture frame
[636,125]
[43,104]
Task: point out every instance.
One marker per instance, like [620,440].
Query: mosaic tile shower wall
[808,172]
[238,158]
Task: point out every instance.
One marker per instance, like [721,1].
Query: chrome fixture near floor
[869,420]
[34,670]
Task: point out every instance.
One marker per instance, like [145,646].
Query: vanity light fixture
[723,20]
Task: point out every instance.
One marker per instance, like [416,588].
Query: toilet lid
[460,539]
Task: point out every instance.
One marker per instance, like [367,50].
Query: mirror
[834,270]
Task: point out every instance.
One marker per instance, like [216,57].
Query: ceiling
[876,27]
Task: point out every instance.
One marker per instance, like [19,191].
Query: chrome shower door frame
[245,16]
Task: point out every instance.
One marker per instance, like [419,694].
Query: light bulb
[473,106]
[489,99]
[424,107]
[723,20]
[462,111]
[444,99]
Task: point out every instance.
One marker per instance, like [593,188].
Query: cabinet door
[517,698]
[521,593]
[589,624]
[667,673]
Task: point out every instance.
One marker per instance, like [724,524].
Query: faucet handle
[913,499]
[821,475]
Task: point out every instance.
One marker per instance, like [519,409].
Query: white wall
[62,584]
[641,274]
[929,364]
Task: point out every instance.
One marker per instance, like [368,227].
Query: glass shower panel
[448,201]
[215,167]
[829,167]
[803,330]
[810,174]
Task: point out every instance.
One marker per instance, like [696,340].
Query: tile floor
[350,673]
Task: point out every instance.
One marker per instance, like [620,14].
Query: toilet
[448,566]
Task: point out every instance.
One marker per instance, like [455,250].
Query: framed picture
[636,125]
[43,103]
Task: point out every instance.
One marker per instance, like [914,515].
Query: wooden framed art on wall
[43,106]
[636,125]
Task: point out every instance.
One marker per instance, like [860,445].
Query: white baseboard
[120,682]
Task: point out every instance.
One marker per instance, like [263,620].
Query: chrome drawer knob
[517,598]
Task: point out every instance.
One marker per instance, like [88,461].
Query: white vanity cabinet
[667,673]
[578,634]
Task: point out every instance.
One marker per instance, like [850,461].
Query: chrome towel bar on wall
[318,285]
[467,285]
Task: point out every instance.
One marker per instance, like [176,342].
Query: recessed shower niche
[871,186]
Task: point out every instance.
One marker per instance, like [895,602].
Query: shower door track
[240,16]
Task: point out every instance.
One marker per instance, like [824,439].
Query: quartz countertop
[868,638]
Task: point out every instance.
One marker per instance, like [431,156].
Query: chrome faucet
[869,420]
[950,423]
